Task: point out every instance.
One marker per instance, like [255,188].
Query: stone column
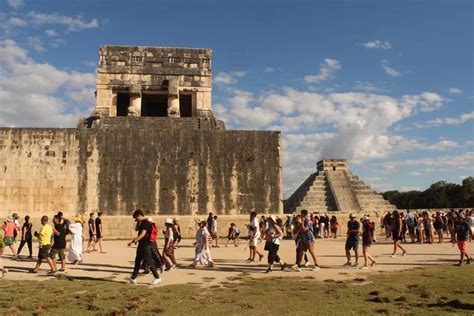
[135,105]
[173,98]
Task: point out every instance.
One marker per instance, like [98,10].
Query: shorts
[366,244]
[334,230]
[411,229]
[462,245]
[43,252]
[8,241]
[253,242]
[306,245]
[59,252]
[352,244]
[92,235]
[234,236]
[396,235]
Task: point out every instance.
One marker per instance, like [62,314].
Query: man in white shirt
[253,235]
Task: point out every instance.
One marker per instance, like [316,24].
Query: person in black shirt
[59,244]
[144,249]
[26,237]
[352,241]
[462,231]
[92,234]
[99,232]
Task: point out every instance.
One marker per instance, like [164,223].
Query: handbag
[268,245]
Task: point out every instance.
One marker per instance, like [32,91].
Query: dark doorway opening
[154,105]
[123,102]
[333,168]
[186,105]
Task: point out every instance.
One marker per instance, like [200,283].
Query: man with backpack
[146,236]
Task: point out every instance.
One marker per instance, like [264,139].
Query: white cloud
[17,22]
[32,94]
[326,71]
[227,78]
[35,43]
[269,69]
[463,118]
[455,91]
[377,44]
[367,87]
[72,24]
[15,4]
[392,72]
[51,32]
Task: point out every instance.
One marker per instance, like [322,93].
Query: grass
[436,290]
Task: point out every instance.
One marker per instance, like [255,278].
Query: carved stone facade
[154,81]
[152,143]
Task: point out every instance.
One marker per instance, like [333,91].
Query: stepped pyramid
[333,188]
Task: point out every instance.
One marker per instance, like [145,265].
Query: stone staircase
[314,195]
[368,199]
[341,188]
[333,190]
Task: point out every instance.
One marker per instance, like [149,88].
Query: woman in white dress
[77,236]
[203,250]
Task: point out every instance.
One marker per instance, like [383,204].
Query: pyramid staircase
[335,190]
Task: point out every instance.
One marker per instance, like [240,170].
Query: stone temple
[152,142]
[333,188]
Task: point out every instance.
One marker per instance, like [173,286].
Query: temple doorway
[154,105]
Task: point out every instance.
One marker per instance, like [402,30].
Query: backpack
[153,233]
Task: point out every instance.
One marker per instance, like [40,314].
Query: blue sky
[389,86]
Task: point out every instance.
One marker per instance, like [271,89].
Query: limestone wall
[116,170]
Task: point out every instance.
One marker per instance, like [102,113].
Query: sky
[386,85]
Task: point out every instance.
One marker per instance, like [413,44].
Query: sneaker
[306,264]
[468,261]
[132,281]
[355,264]
[295,268]
[51,272]
[173,267]
[156,281]
[404,253]
[260,257]
[268,270]
[373,263]
[315,268]
[393,256]
[364,267]
[283,266]
[460,263]
[347,264]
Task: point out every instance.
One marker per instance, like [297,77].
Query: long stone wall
[116,170]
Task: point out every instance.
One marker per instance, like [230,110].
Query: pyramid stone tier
[333,188]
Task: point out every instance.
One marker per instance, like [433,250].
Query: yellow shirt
[45,235]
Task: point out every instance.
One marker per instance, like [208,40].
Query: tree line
[439,195]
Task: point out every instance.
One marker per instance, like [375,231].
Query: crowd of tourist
[304,228]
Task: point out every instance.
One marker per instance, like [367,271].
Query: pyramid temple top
[332,164]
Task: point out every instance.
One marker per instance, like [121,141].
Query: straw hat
[9,218]
[168,221]
[77,218]
[176,219]
[201,220]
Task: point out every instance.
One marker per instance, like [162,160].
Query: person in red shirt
[9,230]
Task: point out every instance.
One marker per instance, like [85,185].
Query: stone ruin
[333,188]
[152,142]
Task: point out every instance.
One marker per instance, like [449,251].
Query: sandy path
[116,265]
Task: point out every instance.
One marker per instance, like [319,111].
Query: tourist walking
[144,248]
[9,229]
[253,236]
[202,250]
[368,229]
[352,241]
[274,235]
[44,239]
[74,253]
[233,234]
[306,242]
[176,232]
[396,227]
[411,224]
[438,227]
[92,233]
[168,250]
[462,230]
[99,230]
[334,226]
[26,237]
[59,243]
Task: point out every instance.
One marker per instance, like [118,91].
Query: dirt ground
[117,263]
